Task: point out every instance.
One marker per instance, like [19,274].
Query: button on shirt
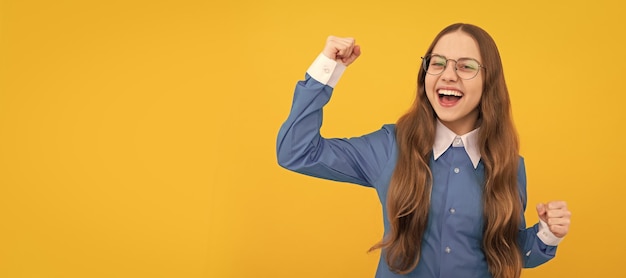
[451,245]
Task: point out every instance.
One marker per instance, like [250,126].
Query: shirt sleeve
[301,148]
[534,250]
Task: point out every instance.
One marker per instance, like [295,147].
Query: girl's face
[455,100]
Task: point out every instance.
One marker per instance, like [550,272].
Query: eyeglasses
[465,68]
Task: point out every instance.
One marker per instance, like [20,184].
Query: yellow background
[137,138]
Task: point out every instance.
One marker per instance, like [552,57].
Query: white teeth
[450,93]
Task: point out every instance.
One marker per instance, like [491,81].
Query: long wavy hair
[408,198]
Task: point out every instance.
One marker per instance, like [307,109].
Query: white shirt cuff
[546,236]
[326,71]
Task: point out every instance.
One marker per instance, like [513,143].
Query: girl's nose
[449,73]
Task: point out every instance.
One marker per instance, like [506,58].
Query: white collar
[444,138]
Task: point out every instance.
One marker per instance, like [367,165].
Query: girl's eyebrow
[433,53]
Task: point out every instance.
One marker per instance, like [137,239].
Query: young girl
[448,173]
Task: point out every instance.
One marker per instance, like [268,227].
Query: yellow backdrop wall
[137,138]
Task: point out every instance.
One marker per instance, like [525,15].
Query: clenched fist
[556,215]
[342,50]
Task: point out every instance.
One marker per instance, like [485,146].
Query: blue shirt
[451,246]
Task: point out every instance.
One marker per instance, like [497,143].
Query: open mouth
[449,97]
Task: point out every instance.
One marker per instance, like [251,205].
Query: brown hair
[408,199]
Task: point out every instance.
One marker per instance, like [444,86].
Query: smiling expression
[455,100]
